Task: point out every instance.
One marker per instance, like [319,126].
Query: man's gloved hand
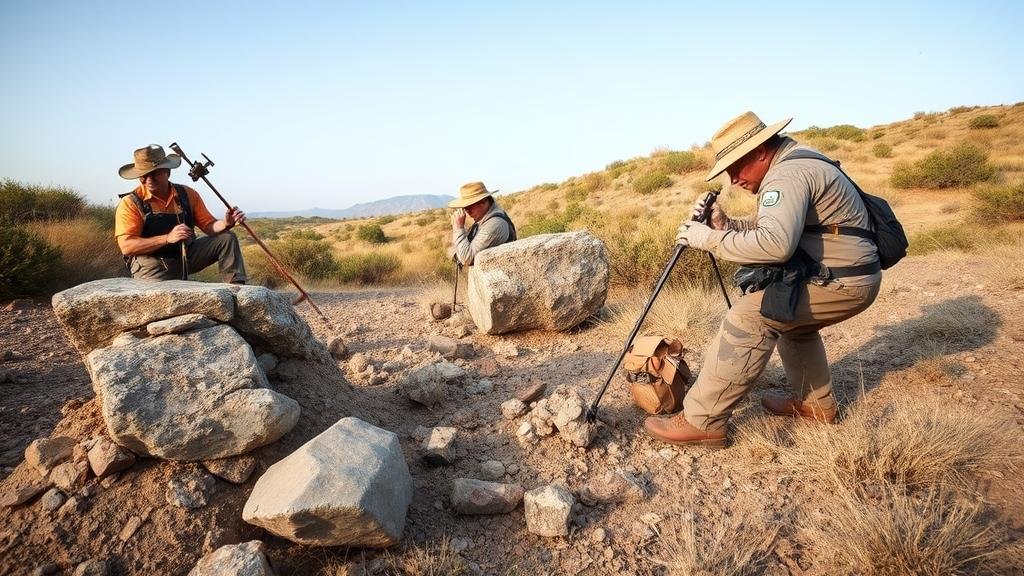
[458,219]
[719,219]
[693,234]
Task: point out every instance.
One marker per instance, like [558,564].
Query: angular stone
[570,417]
[512,409]
[45,453]
[267,362]
[17,496]
[449,347]
[549,281]
[193,396]
[439,310]
[130,528]
[532,391]
[107,458]
[92,314]
[93,567]
[438,447]
[471,496]
[492,469]
[190,490]
[52,500]
[547,510]
[179,324]
[611,488]
[269,319]
[246,559]
[428,384]
[69,476]
[336,346]
[349,486]
[235,470]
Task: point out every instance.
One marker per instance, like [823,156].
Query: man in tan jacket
[799,201]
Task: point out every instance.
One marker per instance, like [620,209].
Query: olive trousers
[222,248]
[745,340]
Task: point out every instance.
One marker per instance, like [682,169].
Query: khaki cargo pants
[203,251]
[740,351]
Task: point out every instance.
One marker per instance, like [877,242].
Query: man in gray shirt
[802,204]
[492,226]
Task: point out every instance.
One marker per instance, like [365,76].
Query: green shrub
[983,121]
[553,205]
[367,268]
[619,167]
[592,182]
[680,162]
[961,109]
[875,135]
[545,187]
[27,263]
[961,165]
[22,202]
[371,233]
[839,132]
[999,203]
[651,181]
[312,259]
[542,224]
[103,215]
[304,234]
[615,165]
[825,144]
[423,220]
[882,150]
[384,220]
[576,193]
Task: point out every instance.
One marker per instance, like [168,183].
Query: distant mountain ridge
[395,205]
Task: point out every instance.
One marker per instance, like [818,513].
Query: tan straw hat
[471,194]
[147,159]
[739,136]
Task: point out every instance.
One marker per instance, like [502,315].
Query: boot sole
[798,416]
[696,443]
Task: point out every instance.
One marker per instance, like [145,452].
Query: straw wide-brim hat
[147,159]
[739,136]
[470,194]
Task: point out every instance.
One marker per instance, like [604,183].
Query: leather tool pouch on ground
[782,285]
[657,373]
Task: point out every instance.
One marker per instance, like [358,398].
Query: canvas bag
[657,373]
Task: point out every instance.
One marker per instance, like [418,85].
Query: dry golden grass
[917,442]
[434,559]
[88,251]
[889,532]
[693,546]
[689,313]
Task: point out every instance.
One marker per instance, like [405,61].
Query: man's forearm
[139,246]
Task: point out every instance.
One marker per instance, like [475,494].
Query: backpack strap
[143,207]
[503,216]
[184,205]
[804,154]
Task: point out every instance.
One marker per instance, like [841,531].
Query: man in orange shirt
[153,222]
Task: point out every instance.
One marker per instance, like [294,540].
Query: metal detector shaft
[270,256]
[721,283]
[709,201]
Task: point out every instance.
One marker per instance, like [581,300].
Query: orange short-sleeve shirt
[128,219]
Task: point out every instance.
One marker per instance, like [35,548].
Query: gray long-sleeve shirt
[795,194]
[491,231]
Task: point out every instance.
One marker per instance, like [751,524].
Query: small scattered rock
[611,488]
[513,408]
[438,447]
[533,391]
[358,363]
[129,528]
[52,500]
[506,349]
[336,346]
[179,324]
[482,386]
[428,385]
[599,535]
[44,454]
[547,510]
[488,367]
[235,470]
[421,433]
[48,569]
[17,496]
[106,458]
[449,348]
[471,496]
[70,476]
[267,362]
[492,469]
[191,490]
[93,567]
[247,559]
[440,310]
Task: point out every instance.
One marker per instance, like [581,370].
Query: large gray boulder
[269,319]
[193,396]
[550,281]
[93,313]
[349,486]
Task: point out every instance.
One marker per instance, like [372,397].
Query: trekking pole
[455,292]
[709,201]
[199,170]
[721,283]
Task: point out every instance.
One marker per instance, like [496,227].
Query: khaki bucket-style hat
[739,136]
[147,159]
[471,194]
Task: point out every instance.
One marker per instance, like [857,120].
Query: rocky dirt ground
[45,390]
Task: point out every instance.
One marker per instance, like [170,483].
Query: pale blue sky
[306,104]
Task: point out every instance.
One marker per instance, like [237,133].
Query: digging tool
[199,170]
[703,217]
[455,289]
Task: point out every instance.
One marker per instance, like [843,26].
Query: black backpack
[888,236]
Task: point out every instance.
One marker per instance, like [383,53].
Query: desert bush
[100,215]
[960,165]
[545,187]
[259,269]
[371,233]
[881,150]
[367,268]
[423,220]
[312,259]
[384,220]
[983,121]
[591,182]
[576,193]
[876,134]
[304,234]
[651,181]
[999,203]
[961,109]
[542,224]
[680,162]
[27,263]
[88,251]
[839,132]
[692,545]
[619,167]
[21,202]
[553,205]
[825,144]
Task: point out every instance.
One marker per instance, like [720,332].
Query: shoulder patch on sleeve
[771,198]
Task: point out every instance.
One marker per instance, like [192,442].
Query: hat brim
[742,150]
[470,200]
[130,172]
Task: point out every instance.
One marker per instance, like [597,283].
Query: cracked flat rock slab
[193,396]
[349,486]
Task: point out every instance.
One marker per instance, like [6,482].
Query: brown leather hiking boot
[676,430]
[780,405]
